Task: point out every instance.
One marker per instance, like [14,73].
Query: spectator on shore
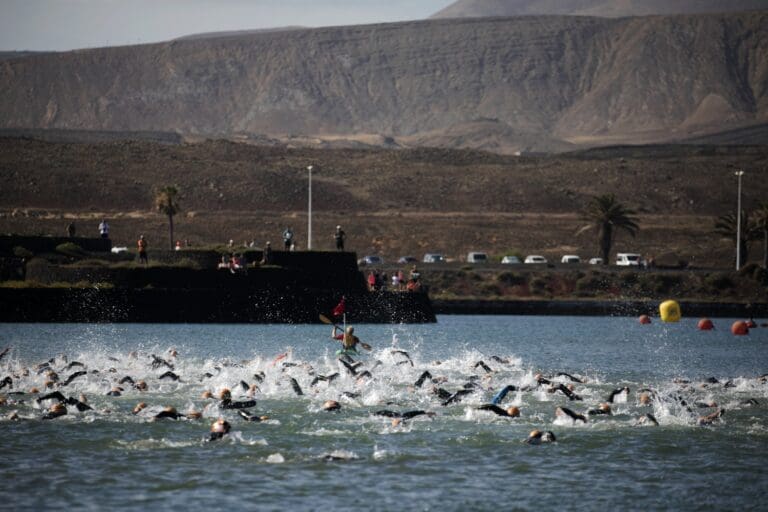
[371,281]
[224,263]
[178,245]
[104,228]
[267,258]
[142,245]
[339,236]
[414,274]
[71,230]
[288,239]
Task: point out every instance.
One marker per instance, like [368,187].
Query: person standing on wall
[104,228]
[288,239]
[142,245]
[339,236]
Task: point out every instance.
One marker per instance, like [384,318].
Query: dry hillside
[497,84]
[390,202]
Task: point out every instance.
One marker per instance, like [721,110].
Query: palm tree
[606,216]
[760,217]
[725,226]
[165,202]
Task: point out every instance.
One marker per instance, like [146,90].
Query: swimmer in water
[510,412]
[618,391]
[709,419]
[57,410]
[226,401]
[647,419]
[539,437]
[602,409]
[219,429]
[403,415]
[168,413]
[247,416]
[331,405]
[564,411]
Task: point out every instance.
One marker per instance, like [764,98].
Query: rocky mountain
[606,8]
[498,84]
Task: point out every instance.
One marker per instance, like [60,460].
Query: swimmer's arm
[501,394]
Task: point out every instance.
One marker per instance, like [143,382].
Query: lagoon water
[303,458]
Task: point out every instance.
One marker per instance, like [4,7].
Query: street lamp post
[309,209]
[738,174]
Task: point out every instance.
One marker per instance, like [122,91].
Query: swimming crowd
[48,397]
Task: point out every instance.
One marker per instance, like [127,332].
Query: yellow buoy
[669,310]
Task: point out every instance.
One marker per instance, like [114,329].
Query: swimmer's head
[538,376]
[172,352]
[350,329]
[604,407]
[83,398]
[170,409]
[570,387]
[225,394]
[57,409]
[49,384]
[194,415]
[220,426]
[645,399]
[141,385]
[513,411]
[139,407]
[34,391]
[331,405]
[206,394]
[396,422]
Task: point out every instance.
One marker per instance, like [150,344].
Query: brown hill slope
[607,8]
[529,83]
[391,202]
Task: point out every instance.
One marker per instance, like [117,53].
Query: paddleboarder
[348,340]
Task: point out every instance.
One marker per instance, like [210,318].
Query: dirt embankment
[390,202]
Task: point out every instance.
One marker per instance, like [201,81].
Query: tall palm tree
[165,202]
[760,217]
[726,226]
[606,216]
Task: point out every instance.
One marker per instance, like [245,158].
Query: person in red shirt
[142,245]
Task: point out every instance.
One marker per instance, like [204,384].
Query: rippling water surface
[461,458]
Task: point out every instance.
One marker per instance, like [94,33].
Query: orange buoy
[644,319]
[740,328]
[705,324]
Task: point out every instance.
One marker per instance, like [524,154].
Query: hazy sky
[68,24]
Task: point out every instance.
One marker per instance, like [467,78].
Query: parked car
[595,261]
[477,257]
[570,258]
[508,260]
[535,258]
[628,259]
[407,259]
[432,257]
[371,260]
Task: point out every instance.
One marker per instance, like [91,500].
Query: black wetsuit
[615,392]
[424,376]
[567,392]
[494,409]
[404,415]
[574,416]
[73,377]
[227,403]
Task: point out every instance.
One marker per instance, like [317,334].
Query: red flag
[340,308]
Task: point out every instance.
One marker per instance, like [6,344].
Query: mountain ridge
[547,82]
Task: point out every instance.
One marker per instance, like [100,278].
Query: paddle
[328,321]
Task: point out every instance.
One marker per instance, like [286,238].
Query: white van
[477,257]
[570,258]
[627,259]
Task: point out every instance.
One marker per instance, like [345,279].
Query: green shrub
[511,279]
[71,249]
[22,252]
[719,281]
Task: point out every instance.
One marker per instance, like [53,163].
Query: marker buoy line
[705,324]
[644,319]
[739,328]
[669,310]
